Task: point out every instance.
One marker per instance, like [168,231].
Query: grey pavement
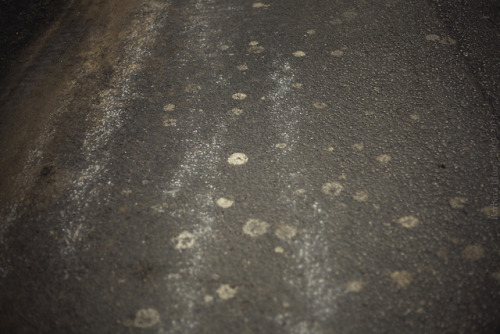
[234,166]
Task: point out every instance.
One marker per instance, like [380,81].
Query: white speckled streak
[198,172]
[86,186]
[309,273]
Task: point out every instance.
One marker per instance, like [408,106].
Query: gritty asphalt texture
[203,166]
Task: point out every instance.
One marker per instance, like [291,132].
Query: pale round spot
[279,250]
[384,158]
[260,5]
[255,227]
[225,291]
[408,221]
[299,53]
[208,299]
[237,159]
[448,41]
[330,149]
[239,96]
[280,145]
[432,37]
[336,22]
[237,111]
[319,105]
[360,196]
[169,122]
[285,232]
[332,188]
[297,85]
[185,240]
[311,32]
[192,88]
[224,47]
[169,107]
[491,211]
[473,252]
[300,191]
[242,67]
[224,202]
[337,53]
[458,202]
[350,14]
[253,43]
[354,286]
[146,318]
[415,117]
[256,49]
[358,146]
[160,207]
[402,278]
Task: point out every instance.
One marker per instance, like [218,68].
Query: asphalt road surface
[234,166]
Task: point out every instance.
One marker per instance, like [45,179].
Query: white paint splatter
[491,211]
[360,196]
[458,202]
[384,158]
[185,240]
[358,146]
[169,122]
[402,278]
[254,47]
[225,291]
[146,318]
[169,107]
[408,221]
[237,159]
[239,96]
[285,232]
[473,252]
[447,41]
[350,15]
[337,53]
[354,286]
[237,111]
[332,188]
[225,202]
[255,227]
[192,88]
[432,37]
[260,5]
[160,207]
